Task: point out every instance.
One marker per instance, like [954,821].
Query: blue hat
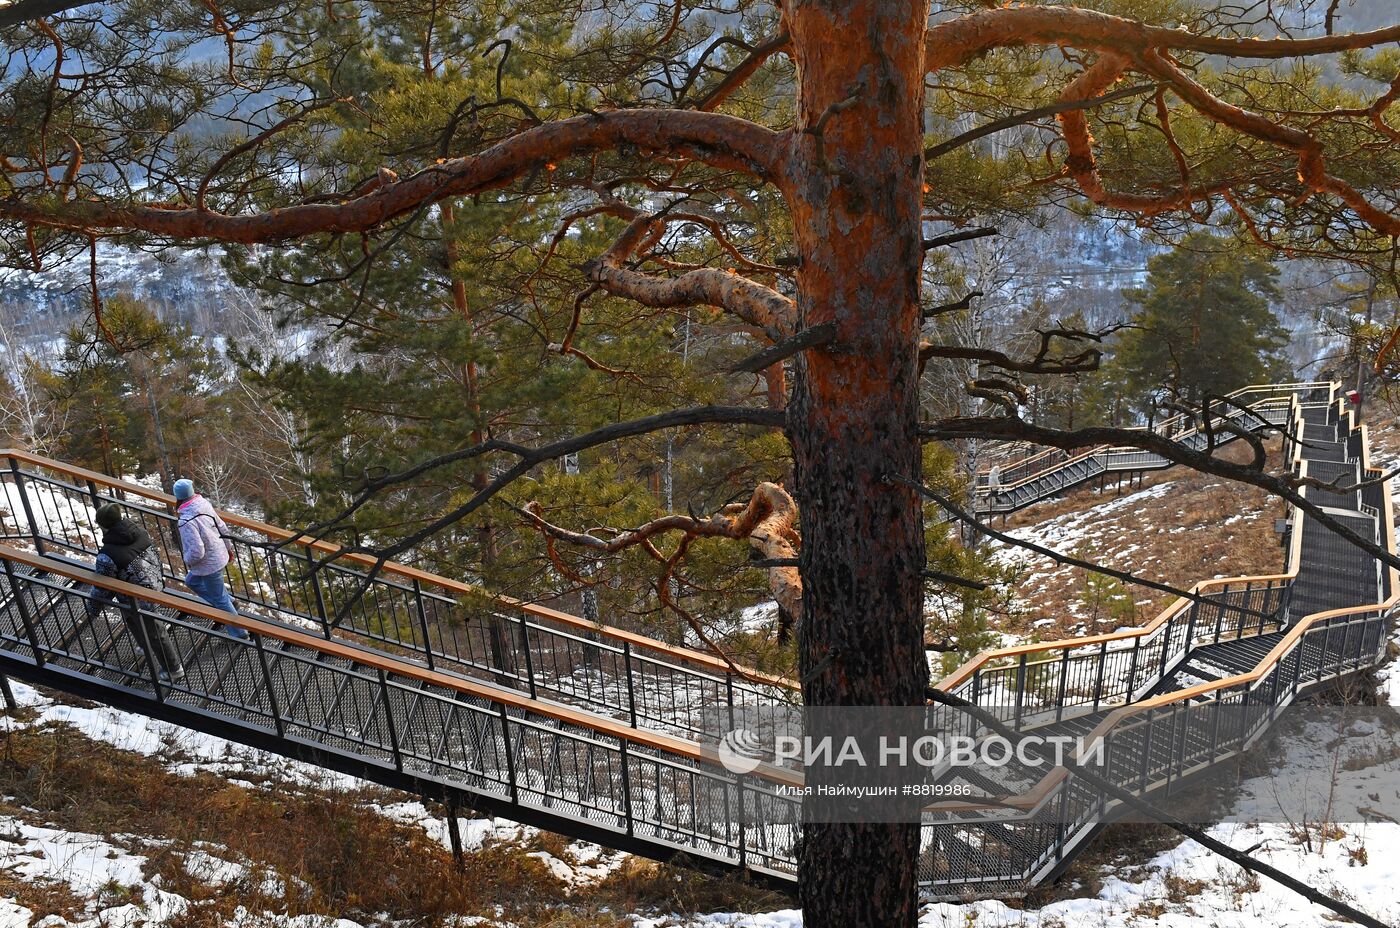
[184,489]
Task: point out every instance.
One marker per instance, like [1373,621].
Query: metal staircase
[433,686]
[1015,481]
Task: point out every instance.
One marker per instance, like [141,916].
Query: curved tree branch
[749,300]
[722,141]
[768,521]
[958,41]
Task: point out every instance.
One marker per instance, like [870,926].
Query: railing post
[277,720]
[626,788]
[1098,676]
[631,690]
[510,755]
[26,615]
[1132,667]
[317,596]
[729,695]
[423,622]
[529,660]
[1064,680]
[1021,686]
[152,661]
[389,719]
[743,838]
[1145,771]
[28,509]
[1168,632]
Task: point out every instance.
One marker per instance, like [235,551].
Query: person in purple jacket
[205,548]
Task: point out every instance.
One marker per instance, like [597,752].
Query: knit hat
[184,489]
[109,515]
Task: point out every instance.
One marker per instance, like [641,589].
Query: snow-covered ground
[108,870]
[1185,886]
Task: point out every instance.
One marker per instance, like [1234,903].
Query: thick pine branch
[721,141]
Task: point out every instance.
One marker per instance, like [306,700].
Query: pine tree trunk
[855,189]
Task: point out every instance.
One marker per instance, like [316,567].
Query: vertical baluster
[28,509]
[423,622]
[26,615]
[272,703]
[631,690]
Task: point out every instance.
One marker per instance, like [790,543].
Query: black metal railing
[434,690]
[383,718]
[624,677]
[1029,479]
[1110,671]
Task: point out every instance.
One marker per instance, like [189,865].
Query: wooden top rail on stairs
[1036,795]
[987,658]
[700,658]
[391,568]
[1045,786]
[602,725]
[1174,420]
[1092,452]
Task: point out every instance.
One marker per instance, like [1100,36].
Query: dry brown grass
[42,897]
[326,852]
[1181,537]
[642,884]
[1117,846]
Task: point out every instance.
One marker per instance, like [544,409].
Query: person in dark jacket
[128,555]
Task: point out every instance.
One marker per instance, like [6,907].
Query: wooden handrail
[668,743]
[1256,388]
[1036,794]
[1181,603]
[373,659]
[684,654]
[283,536]
[1083,455]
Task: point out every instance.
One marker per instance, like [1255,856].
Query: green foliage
[1204,325]
[137,393]
[1106,598]
[959,618]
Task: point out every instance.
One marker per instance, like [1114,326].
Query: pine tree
[1205,325]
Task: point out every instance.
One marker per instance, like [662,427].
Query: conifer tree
[1204,325]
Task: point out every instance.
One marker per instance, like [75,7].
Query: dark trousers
[145,628]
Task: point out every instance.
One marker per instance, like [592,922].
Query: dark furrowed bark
[854,184]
